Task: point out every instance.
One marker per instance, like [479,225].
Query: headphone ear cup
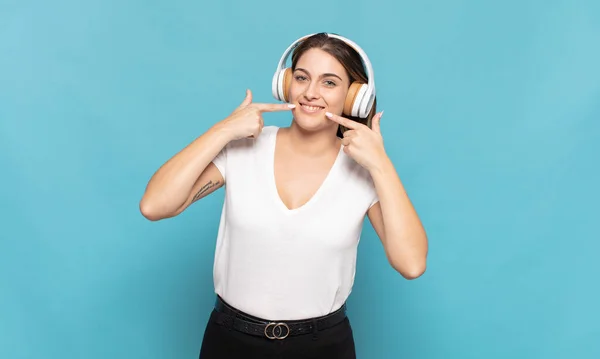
[353,98]
[287,83]
[275,86]
[281,82]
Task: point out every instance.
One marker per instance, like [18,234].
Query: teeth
[312,108]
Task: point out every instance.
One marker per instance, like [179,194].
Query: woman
[295,202]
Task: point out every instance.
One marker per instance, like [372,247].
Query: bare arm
[190,175]
[397,224]
[186,177]
[394,217]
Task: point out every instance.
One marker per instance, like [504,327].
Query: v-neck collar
[323,187]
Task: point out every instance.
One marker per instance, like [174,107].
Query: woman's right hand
[246,120]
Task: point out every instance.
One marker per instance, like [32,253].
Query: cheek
[295,90]
[335,98]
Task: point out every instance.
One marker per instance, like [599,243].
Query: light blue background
[492,117]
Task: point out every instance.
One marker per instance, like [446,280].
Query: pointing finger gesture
[246,121]
[363,144]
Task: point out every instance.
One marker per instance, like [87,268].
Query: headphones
[360,98]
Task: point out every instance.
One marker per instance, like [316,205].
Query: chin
[311,123]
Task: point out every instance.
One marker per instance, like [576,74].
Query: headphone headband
[369,93]
[358,49]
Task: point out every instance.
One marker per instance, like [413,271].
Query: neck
[312,143]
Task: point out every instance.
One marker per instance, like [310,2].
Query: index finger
[270,107]
[353,125]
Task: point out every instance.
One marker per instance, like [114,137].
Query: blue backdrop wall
[492,117]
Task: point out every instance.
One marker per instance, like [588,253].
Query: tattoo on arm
[205,189]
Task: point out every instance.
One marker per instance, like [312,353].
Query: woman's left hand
[363,144]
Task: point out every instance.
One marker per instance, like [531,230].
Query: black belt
[240,321]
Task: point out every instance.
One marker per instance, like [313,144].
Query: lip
[308,110]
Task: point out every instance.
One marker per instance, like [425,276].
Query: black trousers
[221,342]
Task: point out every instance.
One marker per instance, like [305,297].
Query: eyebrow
[328,74]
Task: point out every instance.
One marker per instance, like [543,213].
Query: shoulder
[354,171]
[358,181]
[244,145]
[268,132]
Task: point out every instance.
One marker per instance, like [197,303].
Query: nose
[312,91]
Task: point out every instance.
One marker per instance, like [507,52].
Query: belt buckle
[280,330]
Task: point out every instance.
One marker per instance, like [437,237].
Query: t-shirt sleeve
[367,190]
[373,193]
[220,161]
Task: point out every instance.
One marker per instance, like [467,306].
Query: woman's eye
[301,78]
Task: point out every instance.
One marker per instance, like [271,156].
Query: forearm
[170,186]
[404,239]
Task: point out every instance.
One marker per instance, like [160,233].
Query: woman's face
[319,84]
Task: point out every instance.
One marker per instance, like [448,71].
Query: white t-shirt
[276,263]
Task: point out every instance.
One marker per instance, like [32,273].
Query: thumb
[247,99]
[375,124]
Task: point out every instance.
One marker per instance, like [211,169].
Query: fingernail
[291,105]
[381,114]
[328,114]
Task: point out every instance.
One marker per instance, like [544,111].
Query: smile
[311,109]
